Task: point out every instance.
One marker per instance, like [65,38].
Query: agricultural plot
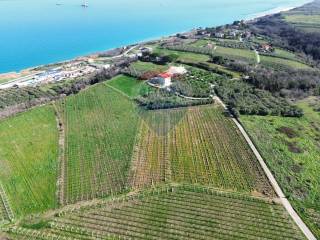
[184,56]
[232,53]
[130,86]
[100,128]
[196,145]
[28,166]
[181,212]
[148,66]
[290,147]
[280,63]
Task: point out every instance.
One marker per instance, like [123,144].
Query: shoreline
[275,10]
[250,17]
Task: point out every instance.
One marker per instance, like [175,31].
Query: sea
[37,32]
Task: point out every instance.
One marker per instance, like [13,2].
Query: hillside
[154,145]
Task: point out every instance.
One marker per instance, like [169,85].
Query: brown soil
[292,146]
[291,133]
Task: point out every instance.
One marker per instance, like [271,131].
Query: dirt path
[61,158]
[303,227]
[258,56]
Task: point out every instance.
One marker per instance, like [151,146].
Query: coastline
[250,17]
[276,10]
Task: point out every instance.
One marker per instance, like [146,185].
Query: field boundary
[61,157]
[5,202]
[302,226]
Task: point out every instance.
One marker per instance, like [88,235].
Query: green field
[196,145]
[281,53]
[128,85]
[179,212]
[236,53]
[100,126]
[291,148]
[281,63]
[202,43]
[311,19]
[184,56]
[28,166]
[148,66]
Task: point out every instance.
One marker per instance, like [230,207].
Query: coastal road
[303,227]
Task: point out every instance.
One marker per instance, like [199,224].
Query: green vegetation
[148,66]
[197,145]
[184,56]
[129,85]
[235,53]
[280,63]
[195,83]
[291,148]
[281,53]
[162,99]
[29,153]
[100,126]
[303,21]
[181,212]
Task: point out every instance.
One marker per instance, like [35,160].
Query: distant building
[219,35]
[164,80]
[266,47]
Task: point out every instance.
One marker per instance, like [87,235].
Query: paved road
[303,227]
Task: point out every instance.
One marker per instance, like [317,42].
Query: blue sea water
[35,32]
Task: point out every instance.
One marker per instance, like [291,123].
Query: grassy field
[148,66]
[202,43]
[100,126]
[184,56]
[236,53]
[128,85]
[282,63]
[298,19]
[291,148]
[196,145]
[28,166]
[281,53]
[181,212]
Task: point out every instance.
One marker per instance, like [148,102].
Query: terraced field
[28,166]
[193,145]
[181,212]
[100,127]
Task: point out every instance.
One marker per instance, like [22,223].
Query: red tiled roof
[165,75]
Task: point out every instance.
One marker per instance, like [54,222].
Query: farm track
[61,160]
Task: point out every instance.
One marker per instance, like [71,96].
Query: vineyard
[6,213]
[28,167]
[100,127]
[196,145]
[172,212]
